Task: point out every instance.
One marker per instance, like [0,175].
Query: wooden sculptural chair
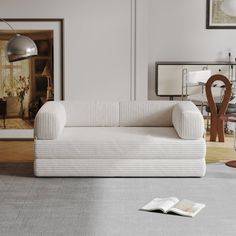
[217,124]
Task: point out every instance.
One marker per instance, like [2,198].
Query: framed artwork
[26,85]
[221,14]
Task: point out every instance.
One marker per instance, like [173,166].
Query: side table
[231,118]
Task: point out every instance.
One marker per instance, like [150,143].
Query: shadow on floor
[21,169]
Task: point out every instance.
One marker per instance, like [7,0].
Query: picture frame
[216,18]
[56,25]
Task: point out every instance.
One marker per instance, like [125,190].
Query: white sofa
[151,138]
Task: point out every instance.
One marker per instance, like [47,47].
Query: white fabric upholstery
[188,121]
[120,143]
[147,113]
[49,121]
[120,167]
[196,77]
[131,139]
[89,113]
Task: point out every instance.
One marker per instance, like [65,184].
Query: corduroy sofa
[150,138]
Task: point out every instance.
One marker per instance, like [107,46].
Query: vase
[21,112]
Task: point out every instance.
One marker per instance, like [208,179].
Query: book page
[163,204]
[187,208]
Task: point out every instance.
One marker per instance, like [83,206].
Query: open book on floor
[173,204]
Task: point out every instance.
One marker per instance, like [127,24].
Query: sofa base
[119,167]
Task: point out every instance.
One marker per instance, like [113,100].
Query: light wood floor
[23,151]
[17,123]
[16,151]
[221,152]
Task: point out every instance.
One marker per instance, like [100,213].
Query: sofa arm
[49,121]
[188,121]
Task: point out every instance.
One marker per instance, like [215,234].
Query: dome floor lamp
[20,47]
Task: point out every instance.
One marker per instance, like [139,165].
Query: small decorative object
[18,87]
[47,73]
[174,205]
[221,14]
[22,88]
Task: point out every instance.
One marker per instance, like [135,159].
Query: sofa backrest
[125,113]
[89,113]
[146,113]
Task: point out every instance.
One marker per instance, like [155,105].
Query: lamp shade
[20,47]
[229,7]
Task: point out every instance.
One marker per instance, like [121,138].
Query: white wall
[177,31]
[98,50]
[100,46]
[106,59]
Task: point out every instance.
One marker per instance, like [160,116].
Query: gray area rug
[110,206]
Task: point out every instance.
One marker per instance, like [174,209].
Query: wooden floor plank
[16,151]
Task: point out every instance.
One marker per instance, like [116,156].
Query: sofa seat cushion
[119,143]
